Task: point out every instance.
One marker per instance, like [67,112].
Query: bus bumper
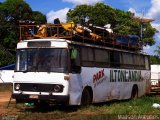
[22,98]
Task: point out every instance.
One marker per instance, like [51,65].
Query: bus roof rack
[103,36]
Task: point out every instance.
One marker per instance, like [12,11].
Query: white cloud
[80,2]
[157,26]
[149,49]
[61,14]
[154,11]
[132,10]
[146,47]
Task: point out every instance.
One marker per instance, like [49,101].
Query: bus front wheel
[86,97]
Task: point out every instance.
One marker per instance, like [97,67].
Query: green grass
[104,111]
[139,106]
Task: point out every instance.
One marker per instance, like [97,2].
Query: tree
[16,10]
[121,22]
[6,56]
[13,11]
[82,11]
[38,17]
[155,59]
[99,14]
[2,23]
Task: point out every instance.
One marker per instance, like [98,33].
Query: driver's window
[23,60]
[75,60]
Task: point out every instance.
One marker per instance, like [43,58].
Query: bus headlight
[17,86]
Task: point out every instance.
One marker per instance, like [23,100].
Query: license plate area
[33,96]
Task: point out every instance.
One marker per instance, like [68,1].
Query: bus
[75,73]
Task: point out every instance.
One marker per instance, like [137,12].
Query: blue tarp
[123,40]
[133,39]
[8,67]
[129,39]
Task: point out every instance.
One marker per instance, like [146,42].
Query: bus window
[75,61]
[102,58]
[139,61]
[128,61]
[115,58]
[87,55]
[147,67]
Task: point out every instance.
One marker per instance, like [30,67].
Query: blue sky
[46,6]
[58,8]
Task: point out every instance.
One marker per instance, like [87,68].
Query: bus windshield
[42,60]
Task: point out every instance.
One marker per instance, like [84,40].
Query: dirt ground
[15,111]
[4,97]
[4,100]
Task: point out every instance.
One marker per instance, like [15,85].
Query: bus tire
[134,93]
[86,97]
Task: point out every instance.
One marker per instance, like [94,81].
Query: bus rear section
[110,74]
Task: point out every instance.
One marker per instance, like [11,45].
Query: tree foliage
[6,56]
[16,10]
[13,11]
[155,59]
[38,17]
[121,22]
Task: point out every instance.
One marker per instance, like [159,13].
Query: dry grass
[104,111]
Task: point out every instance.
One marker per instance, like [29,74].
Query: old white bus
[75,73]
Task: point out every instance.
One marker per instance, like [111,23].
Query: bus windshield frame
[42,60]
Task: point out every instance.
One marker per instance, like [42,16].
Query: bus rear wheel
[86,97]
[134,93]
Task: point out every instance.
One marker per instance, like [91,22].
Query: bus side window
[75,61]
[115,59]
[147,67]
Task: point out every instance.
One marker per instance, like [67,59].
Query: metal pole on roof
[142,20]
[141,32]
